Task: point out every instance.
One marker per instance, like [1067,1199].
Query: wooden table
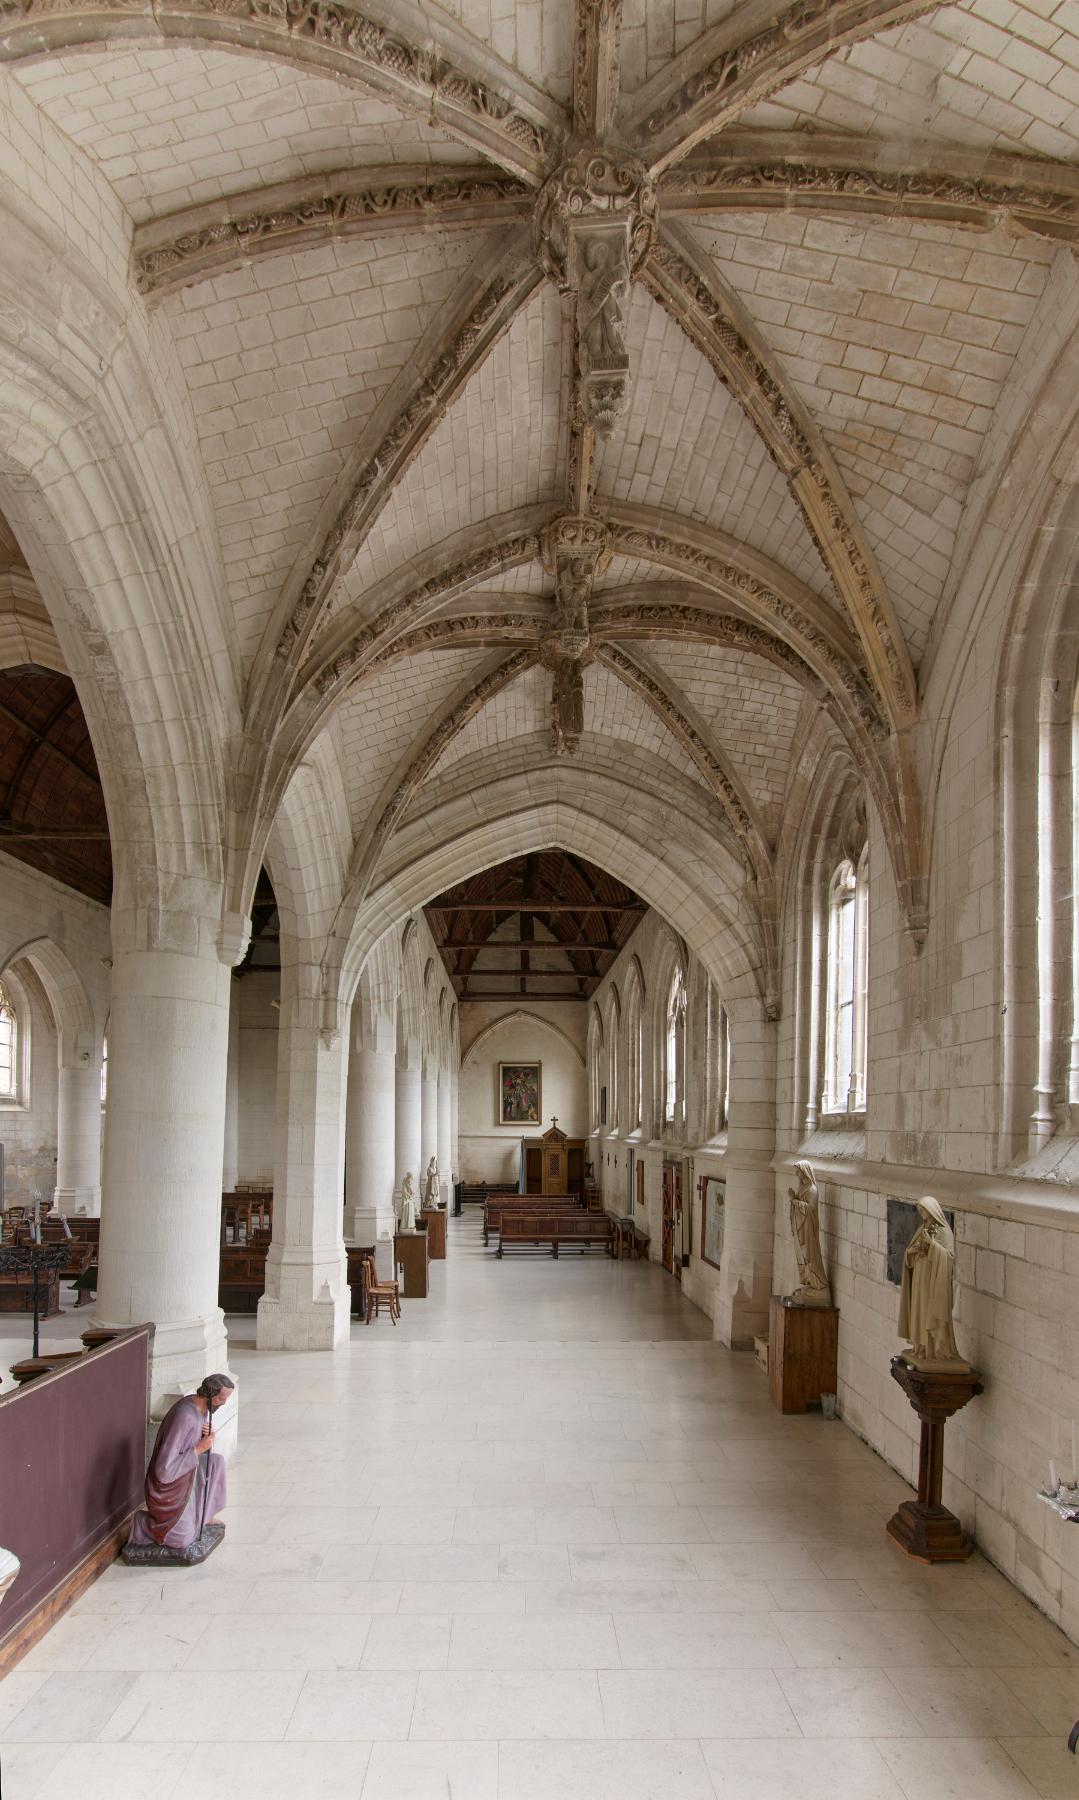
[410,1257]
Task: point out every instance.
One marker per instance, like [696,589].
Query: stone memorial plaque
[903,1222]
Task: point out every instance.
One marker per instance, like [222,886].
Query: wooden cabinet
[410,1258]
[554,1164]
[803,1351]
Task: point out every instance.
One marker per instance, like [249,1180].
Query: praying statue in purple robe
[185,1482]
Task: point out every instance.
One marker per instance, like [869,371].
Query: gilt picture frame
[520,1093]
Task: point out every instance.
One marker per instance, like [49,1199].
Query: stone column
[428,1120]
[161,1190]
[370,1132]
[78,1134]
[407,1127]
[746,1281]
[445,1135]
[230,1172]
[306,1302]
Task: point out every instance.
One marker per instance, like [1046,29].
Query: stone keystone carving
[594,224]
[575,550]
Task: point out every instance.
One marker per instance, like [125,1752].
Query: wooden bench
[472,1193]
[536,1230]
[499,1204]
[241,1279]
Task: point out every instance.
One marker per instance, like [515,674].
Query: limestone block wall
[40,916]
[530,1032]
[257,1083]
[936,1025]
[28,1133]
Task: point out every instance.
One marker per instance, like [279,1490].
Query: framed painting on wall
[713,1193]
[519,1093]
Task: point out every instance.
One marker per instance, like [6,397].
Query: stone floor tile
[351,1707]
[535,1642]
[848,1703]
[953,1768]
[295,1641]
[420,1641]
[669,1703]
[520,1704]
[417,1771]
[976,1702]
[612,1771]
[826,1769]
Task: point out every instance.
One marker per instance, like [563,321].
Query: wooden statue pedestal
[435,1220]
[923,1528]
[803,1351]
[410,1258]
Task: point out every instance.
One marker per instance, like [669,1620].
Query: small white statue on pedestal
[927,1293]
[431,1194]
[814,1288]
[408,1203]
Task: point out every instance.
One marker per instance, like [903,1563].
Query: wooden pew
[246,1216]
[241,1279]
[17,1293]
[536,1230]
[496,1204]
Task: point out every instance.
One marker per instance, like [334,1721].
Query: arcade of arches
[548,534]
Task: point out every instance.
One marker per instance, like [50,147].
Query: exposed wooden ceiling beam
[495,943]
[539,907]
[512,994]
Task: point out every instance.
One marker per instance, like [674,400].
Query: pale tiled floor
[543,1541]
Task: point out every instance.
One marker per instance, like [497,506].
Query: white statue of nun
[408,1203]
[430,1186]
[927,1293]
[813,1287]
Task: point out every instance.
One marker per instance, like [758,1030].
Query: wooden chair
[377,1291]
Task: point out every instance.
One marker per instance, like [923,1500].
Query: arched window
[612,1036]
[104,1068]
[675,1051]
[9,1048]
[595,1046]
[723,1069]
[633,1017]
[846,988]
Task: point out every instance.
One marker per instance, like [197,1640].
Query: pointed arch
[522,1014]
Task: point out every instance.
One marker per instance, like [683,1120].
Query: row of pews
[545,1222]
[78,1236]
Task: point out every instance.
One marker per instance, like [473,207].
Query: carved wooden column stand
[924,1528]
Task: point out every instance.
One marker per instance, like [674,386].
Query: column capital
[233,938]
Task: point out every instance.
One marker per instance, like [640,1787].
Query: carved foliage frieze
[376,641]
[349,40]
[689,299]
[733,182]
[714,94]
[217,243]
[654,546]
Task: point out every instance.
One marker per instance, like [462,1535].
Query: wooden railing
[73,1449]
